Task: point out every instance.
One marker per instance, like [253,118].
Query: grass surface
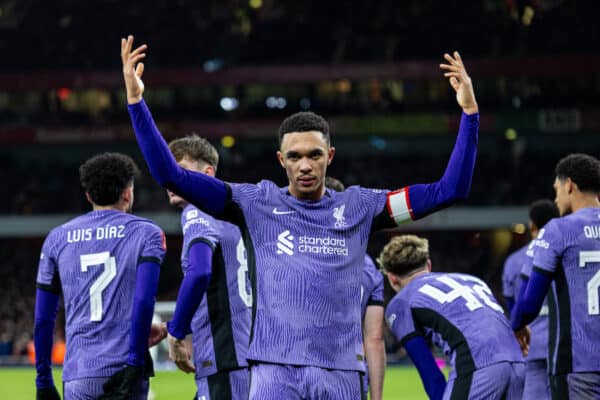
[402,383]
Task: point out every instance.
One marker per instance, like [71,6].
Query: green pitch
[402,383]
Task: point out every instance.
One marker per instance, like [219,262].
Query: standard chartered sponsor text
[322,245]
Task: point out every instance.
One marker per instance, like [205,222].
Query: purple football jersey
[538,347]
[306,260]
[516,265]
[459,314]
[94,259]
[372,286]
[568,248]
[511,273]
[221,325]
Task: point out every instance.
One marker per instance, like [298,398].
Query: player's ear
[127,195]
[330,155]
[89,198]
[209,170]
[429,264]
[570,185]
[280,158]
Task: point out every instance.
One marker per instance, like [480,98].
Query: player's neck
[314,196]
[585,200]
[114,207]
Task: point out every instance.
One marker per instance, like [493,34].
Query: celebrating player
[371,305]
[213,252]
[106,263]
[567,261]
[459,314]
[305,244]
[517,269]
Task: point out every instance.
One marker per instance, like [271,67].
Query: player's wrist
[471,109]
[133,99]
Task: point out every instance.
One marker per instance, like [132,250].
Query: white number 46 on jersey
[476,295]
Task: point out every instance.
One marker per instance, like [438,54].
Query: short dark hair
[304,121]
[105,176]
[542,211]
[195,147]
[583,169]
[334,184]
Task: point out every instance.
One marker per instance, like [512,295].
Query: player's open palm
[460,82]
[133,69]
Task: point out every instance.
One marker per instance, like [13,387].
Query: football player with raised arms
[305,244]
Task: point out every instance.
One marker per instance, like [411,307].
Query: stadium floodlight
[229,103]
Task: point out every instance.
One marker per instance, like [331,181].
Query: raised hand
[180,355]
[460,82]
[133,69]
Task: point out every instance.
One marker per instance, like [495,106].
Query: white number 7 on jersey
[594,283]
[109,273]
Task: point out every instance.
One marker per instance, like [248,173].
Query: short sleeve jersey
[371,293]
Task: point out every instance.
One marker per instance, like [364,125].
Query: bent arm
[432,377]
[417,201]
[531,298]
[205,192]
[194,285]
[375,349]
[146,285]
[46,307]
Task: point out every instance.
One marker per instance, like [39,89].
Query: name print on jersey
[100,233]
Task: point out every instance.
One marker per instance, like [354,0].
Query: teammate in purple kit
[106,264]
[458,313]
[514,279]
[371,299]
[215,294]
[306,244]
[566,266]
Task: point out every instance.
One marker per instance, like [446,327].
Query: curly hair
[404,254]
[305,121]
[542,211]
[195,147]
[583,169]
[105,176]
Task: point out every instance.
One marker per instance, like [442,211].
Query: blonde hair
[404,254]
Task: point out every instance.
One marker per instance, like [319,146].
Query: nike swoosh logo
[277,212]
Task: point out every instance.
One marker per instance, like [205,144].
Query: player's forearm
[455,184]
[510,305]
[375,355]
[207,193]
[530,300]
[194,285]
[46,307]
[146,285]
[433,379]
